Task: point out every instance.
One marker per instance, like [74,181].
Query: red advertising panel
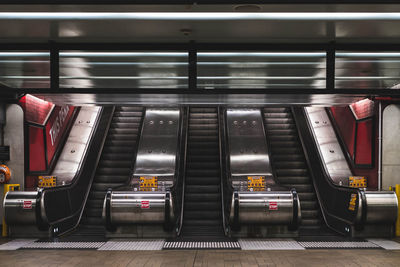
[56,127]
[36,149]
[36,109]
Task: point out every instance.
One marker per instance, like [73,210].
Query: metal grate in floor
[16,244]
[64,245]
[254,244]
[133,245]
[386,244]
[201,245]
[346,244]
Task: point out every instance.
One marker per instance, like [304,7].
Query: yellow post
[8,187]
[397,190]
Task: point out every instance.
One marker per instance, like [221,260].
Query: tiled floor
[43,258]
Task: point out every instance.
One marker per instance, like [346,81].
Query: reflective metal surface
[20,207]
[261,70]
[329,147]
[158,145]
[381,207]
[367,70]
[236,100]
[25,69]
[138,207]
[293,28]
[137,69]
[248,150]
[265,208]
[75,147]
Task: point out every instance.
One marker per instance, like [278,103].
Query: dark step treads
[289,163]
[116,162]
[204,205]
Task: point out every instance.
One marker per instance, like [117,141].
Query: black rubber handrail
[64,205]
[185,126]
[333,199]
[223,177]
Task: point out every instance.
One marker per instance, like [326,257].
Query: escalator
[202,210]
[290,165]
[115,165]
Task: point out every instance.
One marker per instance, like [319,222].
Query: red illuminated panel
[362,109]
[56,127]
[364,143]
[36,149]
[347,126]
[36,109]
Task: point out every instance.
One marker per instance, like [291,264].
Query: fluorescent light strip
[24,54]
[261,54]
[363,55]
[123,54]
[203,16]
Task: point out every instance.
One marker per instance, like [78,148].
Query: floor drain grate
[201,245]
[322,244]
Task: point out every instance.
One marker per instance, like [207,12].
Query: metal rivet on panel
[316,122]
[161,122]
[244,122]
[151,122]
[170,122]
[235,122]
[254,122]
[87,121]
[73,151]
[332,151]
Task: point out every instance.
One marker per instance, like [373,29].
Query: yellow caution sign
[358,181]
[256,183]
[353,201]
[47,181]
[7,188]
[148,183]
[397,190]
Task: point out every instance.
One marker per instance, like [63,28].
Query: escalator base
[241,244]
[201,245]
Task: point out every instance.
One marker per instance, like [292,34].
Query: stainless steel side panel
[254,208]
[381,207]
[158,143]
[248,150]
[20,207]
[138,207]
[329,146]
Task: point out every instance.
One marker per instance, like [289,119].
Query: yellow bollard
[8,187]
[397,190]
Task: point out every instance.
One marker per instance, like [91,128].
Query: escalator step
[113,171]
[306,196]
[310,214]
[202,215]
[285,157]
[125,119]
[310,222]
[104,186]
[199,223]
[202,189]
[291,172]
[200,197]
[115,163]
[118,143]
[309,205]
[204,206]
[277,115]
[202,172]
[286,150]
[294,180]
[290,164]
[203,181]
[120,179]
[277,110]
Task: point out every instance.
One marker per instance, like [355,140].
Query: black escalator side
[202,207]
[64,204]
[289,164]
[115,166]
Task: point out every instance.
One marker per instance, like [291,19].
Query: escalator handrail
[183,170]
[223,176]
[307,146]
[98,138]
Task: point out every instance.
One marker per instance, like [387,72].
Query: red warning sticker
[273,205]
[27,205]
[145,204]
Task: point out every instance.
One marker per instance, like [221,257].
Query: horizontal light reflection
[123,54]
[261,54]
[203,16]
[365,55]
